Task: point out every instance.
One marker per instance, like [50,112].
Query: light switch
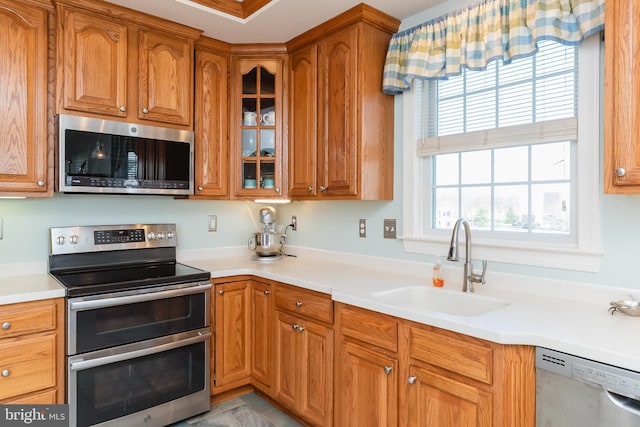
[213,223]
[0,228]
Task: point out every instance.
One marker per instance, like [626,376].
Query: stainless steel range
[138,332]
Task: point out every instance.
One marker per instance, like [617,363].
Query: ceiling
[276,22]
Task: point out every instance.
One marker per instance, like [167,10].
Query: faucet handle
[479,278]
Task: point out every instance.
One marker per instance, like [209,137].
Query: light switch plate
[213,223]
[1,228]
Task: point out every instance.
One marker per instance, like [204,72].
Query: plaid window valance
[495,29]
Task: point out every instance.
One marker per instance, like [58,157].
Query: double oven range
[137,325]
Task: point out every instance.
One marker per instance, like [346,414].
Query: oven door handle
[94,363]
[131,299]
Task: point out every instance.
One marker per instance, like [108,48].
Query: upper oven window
[126,323]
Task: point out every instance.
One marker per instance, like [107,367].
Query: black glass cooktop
[97,281]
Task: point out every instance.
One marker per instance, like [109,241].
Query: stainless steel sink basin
[424,298]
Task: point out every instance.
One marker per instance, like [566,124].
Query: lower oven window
[121,324]
[118,389]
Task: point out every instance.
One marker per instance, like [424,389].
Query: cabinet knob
[294,326]
[277,189]
[6,325]
[298,304]
[6,373]
[145,110]
[301,329]
[412,379]
[123,108]
[621,172]
[323,188]
[388,369]
[221,292]
[200,189]
[267,292]
[309,189]
[40,183]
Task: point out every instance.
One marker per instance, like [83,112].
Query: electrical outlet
[362,228]
[1,228]
[294,223]
[213,223]
[389,229]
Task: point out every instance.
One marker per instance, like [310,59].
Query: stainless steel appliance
[104,156]
[577,392]
[138,330]
[268,243]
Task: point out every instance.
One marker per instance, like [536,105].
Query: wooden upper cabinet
[211,124]
[338,115]
[120,63]
[338,108]
[302,122]
[622,99]
[95,64]
[166,78]
[25,142]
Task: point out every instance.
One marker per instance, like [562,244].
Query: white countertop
[564,316]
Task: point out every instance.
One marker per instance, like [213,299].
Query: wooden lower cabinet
[304,368]
[32,352]
[366,386]
[262,333]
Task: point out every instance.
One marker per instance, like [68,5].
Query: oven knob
[160,235]
[151,235]
[170,235]
[74,239]
[60,240]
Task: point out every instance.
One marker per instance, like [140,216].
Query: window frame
[582,252]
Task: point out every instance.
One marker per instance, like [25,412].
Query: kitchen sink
[423,298]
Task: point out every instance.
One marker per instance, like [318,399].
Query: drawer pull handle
[6,325]
[267,292]
[298,304]
[6,373]
[294,326]
[301,329]
[220,292]
[388,369]
[412,379]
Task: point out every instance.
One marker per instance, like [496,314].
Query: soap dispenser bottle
[438,281]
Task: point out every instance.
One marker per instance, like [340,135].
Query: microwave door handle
[131,299]
[94,363]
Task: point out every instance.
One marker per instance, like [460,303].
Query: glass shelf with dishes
[259,145]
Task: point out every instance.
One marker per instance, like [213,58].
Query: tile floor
[249,410]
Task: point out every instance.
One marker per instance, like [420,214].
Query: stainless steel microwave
[104,156]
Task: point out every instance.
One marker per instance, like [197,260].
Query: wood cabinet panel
[368,326]
[211,154]
[338,117]
[435,400]
[366,386]
[30,364]
[95,63]
[308,303]
[24,146]
[622,99]
[166,78]
[303,149]
[288,354]
[262,334]
[232,339]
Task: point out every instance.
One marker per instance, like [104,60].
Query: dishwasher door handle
[623,402]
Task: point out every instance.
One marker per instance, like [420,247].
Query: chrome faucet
[469,276]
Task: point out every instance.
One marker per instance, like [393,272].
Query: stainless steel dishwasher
[576,392]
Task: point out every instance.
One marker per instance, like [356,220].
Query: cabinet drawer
[29,365]
[456,353]
[30,317]
[368,326]
[308,303]
[42,398]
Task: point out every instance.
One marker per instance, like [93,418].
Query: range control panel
[81,239]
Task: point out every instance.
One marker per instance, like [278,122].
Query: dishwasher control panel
[612,378]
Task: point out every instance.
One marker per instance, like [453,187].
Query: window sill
[565,257]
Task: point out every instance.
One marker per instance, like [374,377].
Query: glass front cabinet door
[257,148]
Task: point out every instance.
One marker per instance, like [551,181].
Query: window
[514,150]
